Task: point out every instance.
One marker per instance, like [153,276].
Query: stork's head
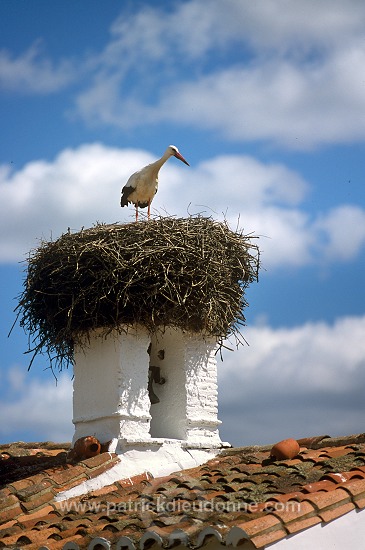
[174,151]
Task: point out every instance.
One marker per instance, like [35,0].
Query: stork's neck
[160,162]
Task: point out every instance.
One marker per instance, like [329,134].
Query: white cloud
[32,72]
[82,186]
[77,189]
[251,71]
[293,382]
[343,230]
[37,407]
[194,28]
[248,180]
[248,70]
[299,106]
[284,26]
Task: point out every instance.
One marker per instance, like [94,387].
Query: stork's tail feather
[123,201]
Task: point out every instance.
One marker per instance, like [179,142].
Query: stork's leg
[137,212]
[148,210]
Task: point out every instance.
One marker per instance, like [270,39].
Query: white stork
[142,185]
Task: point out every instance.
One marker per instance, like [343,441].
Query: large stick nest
[188,273]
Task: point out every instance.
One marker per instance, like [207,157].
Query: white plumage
[142,185]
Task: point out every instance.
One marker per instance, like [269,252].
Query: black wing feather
[126,191]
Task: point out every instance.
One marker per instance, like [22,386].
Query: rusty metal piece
[154,375]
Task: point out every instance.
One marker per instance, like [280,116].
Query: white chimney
[145,392]
[139,310]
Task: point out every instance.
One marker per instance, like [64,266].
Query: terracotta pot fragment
[284,450]
[86,447]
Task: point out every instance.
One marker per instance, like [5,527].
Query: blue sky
[266,101]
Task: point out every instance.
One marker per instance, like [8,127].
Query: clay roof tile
[241,495]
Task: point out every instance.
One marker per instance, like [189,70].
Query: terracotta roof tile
[9,512]
[35,490]
[356,489]
[260,532]
[295,511]
[301,524]
[259,525]
[332,504]
[37,502]
[261,541]
[338,511]
[323,485]
[238,496]
[27,518]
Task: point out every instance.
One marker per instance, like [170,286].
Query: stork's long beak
[180,157]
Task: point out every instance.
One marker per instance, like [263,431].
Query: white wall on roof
[345,533]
